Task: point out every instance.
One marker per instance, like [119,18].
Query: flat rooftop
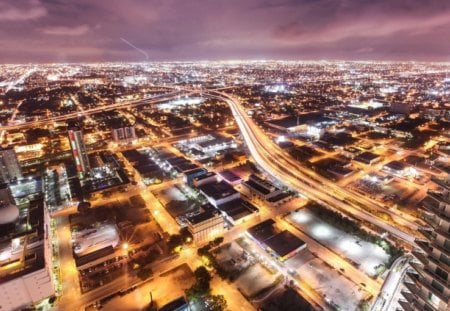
[238,209]
[284,243]
[367,157]
[230,176]
[203,216]
[217,190]
[263,231]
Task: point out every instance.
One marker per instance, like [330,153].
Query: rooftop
[284,243]
[217,190]
[204,216]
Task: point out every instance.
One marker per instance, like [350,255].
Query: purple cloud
[86,30]
[31,10]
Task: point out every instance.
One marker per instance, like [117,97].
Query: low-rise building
[257,187]
[124,135]
[219,193]
[368,158]
[208,178]
[238,211]
[206,225]
[189,176]
[283,244]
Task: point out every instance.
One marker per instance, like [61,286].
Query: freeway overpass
[273,159]
[282,167]
[148,101]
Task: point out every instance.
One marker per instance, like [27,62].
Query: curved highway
[269,156]
[281,166]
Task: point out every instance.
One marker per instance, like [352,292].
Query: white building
[206,225]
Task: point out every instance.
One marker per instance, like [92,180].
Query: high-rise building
[125,134]
[9,166]
[79,153]
[25,254]
[427,283]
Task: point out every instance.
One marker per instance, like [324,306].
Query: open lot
[366,255]
[254,280]
[338,291]
[164,288]
[234,259]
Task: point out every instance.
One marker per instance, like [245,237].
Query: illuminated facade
[78,149]
[428,282]
[206,226]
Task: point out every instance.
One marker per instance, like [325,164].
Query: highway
[282,167]
[153,100]
[279,165]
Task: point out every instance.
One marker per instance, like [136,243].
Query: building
[368,158]
[9,166]
[190,176]
[282,244]
[124,135]
[230,177]
[427,284]
[206,225]
[25,254]
[78,148]
[206,145]
[260,188]
[209,178]
[312,124]
[238,211]
[219,193]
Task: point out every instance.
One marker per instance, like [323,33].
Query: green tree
[217,303]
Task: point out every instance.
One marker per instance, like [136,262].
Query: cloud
[368,22]
[66,31]
[364,50]
[32,10]
[223,29]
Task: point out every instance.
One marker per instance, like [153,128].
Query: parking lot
[367,256]
[337,291]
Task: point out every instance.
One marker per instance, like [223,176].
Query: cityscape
[222,184]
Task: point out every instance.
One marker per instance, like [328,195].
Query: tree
[203,277]
[175,240]
[201,286]
[144,273]
[217,241]
[217,303]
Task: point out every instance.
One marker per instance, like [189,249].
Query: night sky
[107,30]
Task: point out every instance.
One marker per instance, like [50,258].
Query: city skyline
[40,31]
